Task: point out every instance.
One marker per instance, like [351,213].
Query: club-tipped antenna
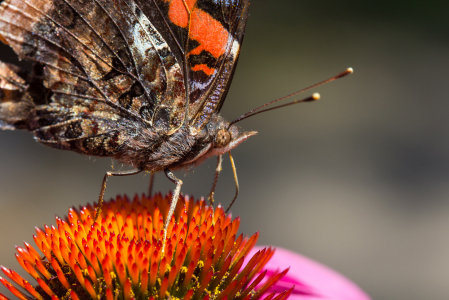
[314,97]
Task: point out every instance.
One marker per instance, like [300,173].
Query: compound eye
[222,138]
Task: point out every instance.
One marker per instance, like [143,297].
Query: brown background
[357,181]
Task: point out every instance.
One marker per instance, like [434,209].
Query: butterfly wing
[206,36]
[105,67]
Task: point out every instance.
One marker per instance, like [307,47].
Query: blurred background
[357,181]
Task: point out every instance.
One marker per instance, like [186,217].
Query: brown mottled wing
[104,65]
[207,36]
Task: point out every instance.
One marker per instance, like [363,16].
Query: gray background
[357,181]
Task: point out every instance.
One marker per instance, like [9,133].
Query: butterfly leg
[103,187]
[217,172]
[234,170]
[150,187]
[174,200]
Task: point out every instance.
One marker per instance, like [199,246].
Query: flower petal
[312,280]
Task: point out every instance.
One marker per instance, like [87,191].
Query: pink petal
[312,280]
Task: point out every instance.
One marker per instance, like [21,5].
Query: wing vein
[149,38]
[68,32]
[14,38]
[79,96]
[133,59]
[169,28]
[103,40]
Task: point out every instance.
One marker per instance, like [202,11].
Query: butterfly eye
[222,138]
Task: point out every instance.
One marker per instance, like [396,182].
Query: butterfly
[141,81]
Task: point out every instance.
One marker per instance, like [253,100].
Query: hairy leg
[103,187]
[217,172]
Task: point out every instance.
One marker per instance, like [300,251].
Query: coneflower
[122,255]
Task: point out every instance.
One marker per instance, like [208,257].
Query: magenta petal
[312,280]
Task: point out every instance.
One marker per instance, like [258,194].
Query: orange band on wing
[211,36]
[202,67]
[177,12]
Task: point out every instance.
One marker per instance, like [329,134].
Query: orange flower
[122,256]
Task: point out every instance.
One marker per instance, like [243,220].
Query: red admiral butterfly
[141,81]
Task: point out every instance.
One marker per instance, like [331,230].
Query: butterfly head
[217,138]
[226,137]
[222,138]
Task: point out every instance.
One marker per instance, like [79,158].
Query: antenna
[314,97]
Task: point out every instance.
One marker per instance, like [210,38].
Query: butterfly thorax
[185,147]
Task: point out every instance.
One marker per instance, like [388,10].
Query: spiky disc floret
[122,255]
